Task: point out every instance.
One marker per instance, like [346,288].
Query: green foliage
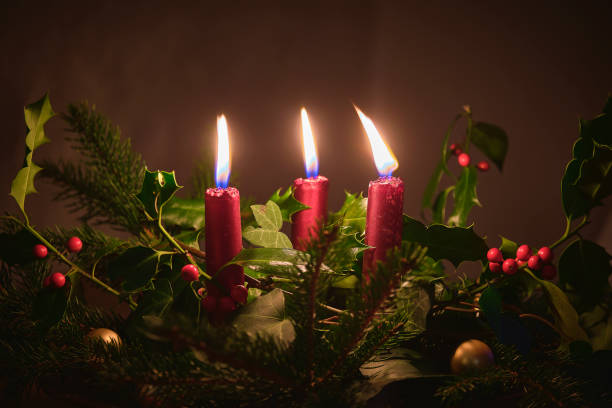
[184,212]
[287,203]
[270,220]
[465,197]
[352,214]
[508,247]
[137,267]
[36,115]
[492,141]
[158,187]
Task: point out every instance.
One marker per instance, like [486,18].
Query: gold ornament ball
[471,355]
[106,335]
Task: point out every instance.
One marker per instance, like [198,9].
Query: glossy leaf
[490,303]
[269,261]
[566,318]
[265,317]
[266,238]
[190,237]
[155,302]
[508,248]
[492,141]
[465,197]
[49,307]
[439,206]
[428,271]
[456,244]
[187,213]
[268,216]
[36,115]
[352,213]
[136,267]
[598,324]
[584,267]
[158,187]
[287,203]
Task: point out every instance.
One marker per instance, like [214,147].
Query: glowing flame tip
[384,159]
[222,171]
[311,162]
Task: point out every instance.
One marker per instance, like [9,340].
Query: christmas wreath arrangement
[297,327]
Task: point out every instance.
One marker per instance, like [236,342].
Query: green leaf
[49,307]
[136,267]
[36,115]
[585,267]
[490,303]
[268,216]
[428,271]
[265,317]
[187,213]
[465,197]
[190,237]
[269,261]
[155,302]
[566,318]
[352,213]
[492,141]
[287,203]
[346,282]
[595,180]
[508,248]
[598,324]
[266,238]
[158,187]
[456,244]
[439,206]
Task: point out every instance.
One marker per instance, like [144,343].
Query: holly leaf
[158,187]
[439,206]
[186,213]
[492,141]
[36,115]
[456,244]
[584,268]
[465,197]
[598,323]
[490,303]
[287,203]
[49,307]
[508,248]
[352,214]
[155,302]
[428,271]
[190,237]
[137,266]
[265,317]
[566,317]
[266,238]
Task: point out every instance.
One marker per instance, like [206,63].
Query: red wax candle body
[313,193]
[383,220]
[223,238]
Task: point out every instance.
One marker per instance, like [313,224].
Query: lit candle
[311,191]
[223,232]
[385,202]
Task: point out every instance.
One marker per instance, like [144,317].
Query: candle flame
[222,171]
[384,159]
[311,162]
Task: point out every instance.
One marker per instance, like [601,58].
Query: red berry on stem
[509,266]
[458,150]
[226,304]
[209,303]
[534,262]
[190,273]
[483,166]
[74,244]
[520,263]
[523,253]
[239,294]
[57,280]
[40,251]
[201,292]
[495,267]
[549,272]
[495,255]
[546,254]
[464,159]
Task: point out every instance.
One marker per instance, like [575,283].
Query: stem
[192,250]
[568,234]
[468,135]
[541,319]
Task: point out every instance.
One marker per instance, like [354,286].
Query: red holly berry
[495,267]
[520,263]
[549,272]
[509,266]
[456,149]
[209,303]
[534,262]
[190,273]
[40,251]
[495,255]
[201,292]
[464,159]
[239,294]
[483,166]
[546,254]
[74,244]
[226,304]
[523,253]
[57,280]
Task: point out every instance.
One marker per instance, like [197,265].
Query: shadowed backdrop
[163,74]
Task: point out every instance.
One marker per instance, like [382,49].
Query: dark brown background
[164,73]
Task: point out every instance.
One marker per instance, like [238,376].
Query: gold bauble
[471,355]
[106,335]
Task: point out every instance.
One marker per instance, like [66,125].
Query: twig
[541,319]
[195,251]
[568,234]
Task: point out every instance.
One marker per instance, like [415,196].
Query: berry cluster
[541,261]
[57,279]
[464,159]
[224,304]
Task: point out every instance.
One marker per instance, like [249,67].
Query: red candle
[223,230]
[311,191]
[385,202]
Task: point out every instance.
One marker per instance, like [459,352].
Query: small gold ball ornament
[106,335]
[471,355]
